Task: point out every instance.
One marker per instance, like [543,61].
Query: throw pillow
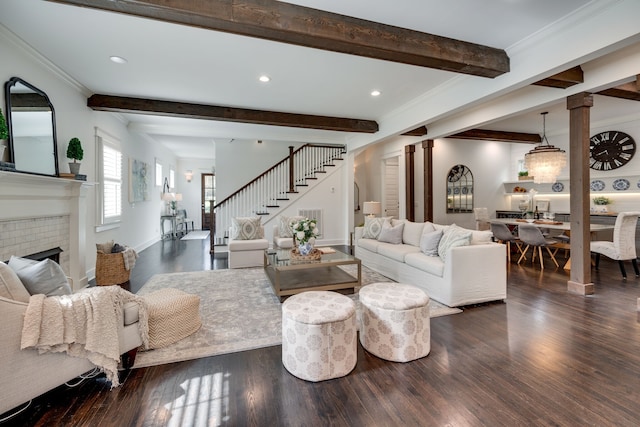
[429,242]
[372,227]
[481,237]
[452,237]
[246,228]
[43,277]
[10,285]
[18,263]
[284,227]
[412,233]
[105,247]
[391,233]
[117,248]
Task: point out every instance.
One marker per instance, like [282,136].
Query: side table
[172,219]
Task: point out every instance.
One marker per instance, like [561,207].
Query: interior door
[208,186]
[391,178]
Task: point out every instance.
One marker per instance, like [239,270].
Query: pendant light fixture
[545,162]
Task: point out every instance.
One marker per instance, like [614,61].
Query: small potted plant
[74,151]
[601,203]
[524,176]
[4,134]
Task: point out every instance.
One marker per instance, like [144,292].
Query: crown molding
[42,60]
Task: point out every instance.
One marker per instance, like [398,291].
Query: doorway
[391,178]
[208,191]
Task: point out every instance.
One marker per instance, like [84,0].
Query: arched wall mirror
[32,129]
[459,190]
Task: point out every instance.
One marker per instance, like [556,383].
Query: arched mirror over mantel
[459,190]
[32,128]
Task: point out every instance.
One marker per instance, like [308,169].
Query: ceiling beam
[302,26]
[122,104]
[563,80]
[498,135]
[626,91]
[419,131]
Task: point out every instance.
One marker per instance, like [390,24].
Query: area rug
[196,235]
[239,312]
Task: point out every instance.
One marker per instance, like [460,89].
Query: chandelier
[545,162]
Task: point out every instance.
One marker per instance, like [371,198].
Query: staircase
[274,189]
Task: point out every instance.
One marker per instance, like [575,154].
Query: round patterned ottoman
[319,335]
[395,323]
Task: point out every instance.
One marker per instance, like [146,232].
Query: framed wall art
[138,181]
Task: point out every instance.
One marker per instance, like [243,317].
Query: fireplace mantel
[27,196]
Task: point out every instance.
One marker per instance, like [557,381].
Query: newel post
[291,174]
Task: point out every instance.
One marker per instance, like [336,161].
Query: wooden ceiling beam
[563,80]
[122,104]
[419,131]
[629,91]
[302,26]
[498,135]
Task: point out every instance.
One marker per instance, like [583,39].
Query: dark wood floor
[543,358]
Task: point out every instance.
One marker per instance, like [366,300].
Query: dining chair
[623,246]
[532,237]
[502,234]
[182,221]
[482,218]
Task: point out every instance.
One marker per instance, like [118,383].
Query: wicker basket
[314,255]
[110,269]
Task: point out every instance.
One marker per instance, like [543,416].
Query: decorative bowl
[530,220]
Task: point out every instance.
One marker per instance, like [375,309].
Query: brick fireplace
[39,213]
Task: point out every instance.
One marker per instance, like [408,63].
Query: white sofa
[25,374]
[469,274]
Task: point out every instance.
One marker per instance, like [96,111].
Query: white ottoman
[319,335]
[395,323]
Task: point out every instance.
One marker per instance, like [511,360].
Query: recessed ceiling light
[375,93]
[264,79]
[118,59]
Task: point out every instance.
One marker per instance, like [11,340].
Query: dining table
[594,229]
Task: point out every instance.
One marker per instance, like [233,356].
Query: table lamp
[371,209]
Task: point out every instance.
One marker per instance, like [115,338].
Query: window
[158,174]
[172,178]
[110,173]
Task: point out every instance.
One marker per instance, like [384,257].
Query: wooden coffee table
[292,277]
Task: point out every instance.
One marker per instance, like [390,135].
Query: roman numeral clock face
[609,150]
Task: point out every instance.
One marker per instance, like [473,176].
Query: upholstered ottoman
[173,315]
[394,321]
[319,335]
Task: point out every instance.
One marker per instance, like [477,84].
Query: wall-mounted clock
[611,149]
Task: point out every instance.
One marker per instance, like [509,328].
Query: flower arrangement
[305,230]
[601,201]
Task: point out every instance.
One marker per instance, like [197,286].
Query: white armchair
[281,242]
[247,252]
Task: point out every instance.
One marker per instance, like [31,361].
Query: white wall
[140,225]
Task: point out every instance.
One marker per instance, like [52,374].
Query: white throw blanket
[84,324]
[129,256]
